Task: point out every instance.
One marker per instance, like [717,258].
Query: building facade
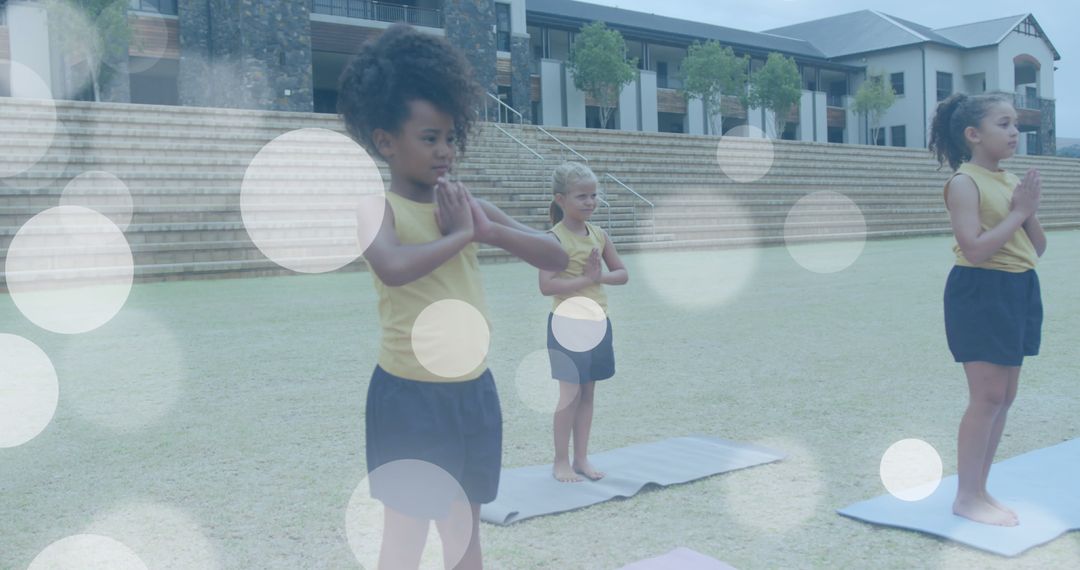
[288,54]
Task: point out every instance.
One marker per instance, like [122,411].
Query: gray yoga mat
[527,492]
[1042,486]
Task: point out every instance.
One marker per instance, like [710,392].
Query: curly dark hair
[952,116]
[400,66]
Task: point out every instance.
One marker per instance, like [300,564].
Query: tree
[598,61]
[775,87]
[710,71]
[873,98]
[95,32]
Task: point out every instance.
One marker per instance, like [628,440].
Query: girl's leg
[403,540]
[582,427]
[452,531]
[988,386]
[995,435]
[563,426]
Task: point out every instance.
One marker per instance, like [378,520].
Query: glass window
[897,81]
[810,78]
[502,26]
[899,136]
[944,85]
[559,44]
[634,49]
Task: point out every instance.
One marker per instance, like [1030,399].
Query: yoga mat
[681,559]
[527,492]
[1042,486]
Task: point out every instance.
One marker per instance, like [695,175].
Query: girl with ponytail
[993,306]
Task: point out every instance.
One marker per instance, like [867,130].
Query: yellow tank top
[578,248]
[995,200]
[458,278]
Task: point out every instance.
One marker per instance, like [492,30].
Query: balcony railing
[834,100]
[1022,101]
[379,11]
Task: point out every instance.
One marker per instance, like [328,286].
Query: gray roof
[869,30]
[858,32]
[687,30]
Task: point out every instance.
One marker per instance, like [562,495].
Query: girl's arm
[962,200]
[617,273]
[536,248]
[552,285]
[1035,233]
[398,264]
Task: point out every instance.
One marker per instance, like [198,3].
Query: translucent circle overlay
[777,497]
[312,200]
[416,490]
[825,232]
[911,469]
[103,192]
[125,376]
[535,386]
[36,128]
[450,338]
[165,537]
[69,269]
[151,43]
[579,324]
[29,390]
[745,154]
[87,552]
[78,33]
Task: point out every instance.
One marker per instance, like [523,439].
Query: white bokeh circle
[745,154]
[579,324]
[420,489]
[29,390]
[69,269]
[151,43]
[312,200]
[825,232]
[103,192]
[165,537]
[535,386]
[125,376]
[450,338]
[33,144]
[777,497]
[910,469]
[87,552]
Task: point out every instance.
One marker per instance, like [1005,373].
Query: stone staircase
[183,168]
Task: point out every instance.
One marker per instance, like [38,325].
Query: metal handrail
[517,140]
[634,211]
[521,118]
[566,146]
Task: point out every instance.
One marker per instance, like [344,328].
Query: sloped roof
[991,32]
[585,12]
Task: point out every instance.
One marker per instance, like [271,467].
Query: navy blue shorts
[993,316]
[581,367]
[454,425]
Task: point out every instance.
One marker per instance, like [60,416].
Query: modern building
[288,55]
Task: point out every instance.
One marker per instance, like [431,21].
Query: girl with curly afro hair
[409,99]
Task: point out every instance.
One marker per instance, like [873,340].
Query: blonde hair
[565,175]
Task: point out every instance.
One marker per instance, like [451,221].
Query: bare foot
[563,472]
[982,511]
[1003,508]
[586,469]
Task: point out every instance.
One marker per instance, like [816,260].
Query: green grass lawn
[220,423]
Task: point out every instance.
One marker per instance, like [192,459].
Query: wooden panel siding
[146,40]
[731,107]
[836,117]
[502,71]
[670,101]
[1029,118]
[340,38]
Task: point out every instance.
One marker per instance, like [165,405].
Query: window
[899,135]
[661,74]
[809,75]
[536,46]
[502,26]
[944,85]
[159,6]
[558,44]
[880,139]
[897,81]
[636,49]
